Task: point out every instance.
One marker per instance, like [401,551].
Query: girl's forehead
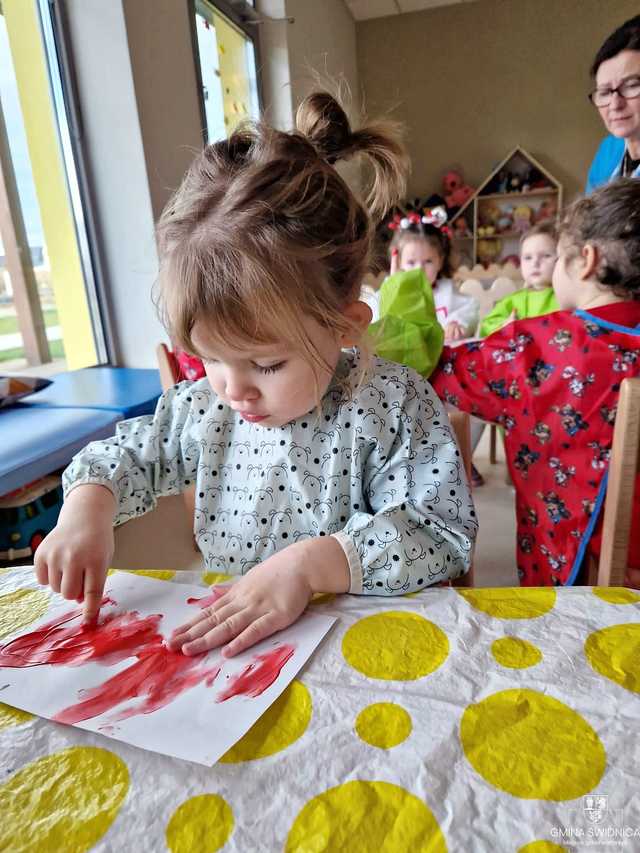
[538,241]
[211,343]
[420,247]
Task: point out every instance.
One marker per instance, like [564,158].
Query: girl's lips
[252,418]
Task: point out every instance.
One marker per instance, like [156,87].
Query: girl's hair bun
[322,120]
[325,124]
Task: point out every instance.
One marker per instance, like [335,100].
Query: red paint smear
[259,674]
[158,677]
[117,637]
[216,593]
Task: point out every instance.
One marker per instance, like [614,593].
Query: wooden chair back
[618,507]
[487,297]
[167,366]
[169,376]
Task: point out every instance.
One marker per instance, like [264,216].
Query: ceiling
[363,9]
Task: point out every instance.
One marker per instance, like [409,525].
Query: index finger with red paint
[93,590]
[395,261]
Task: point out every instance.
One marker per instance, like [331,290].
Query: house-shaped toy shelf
[518,194]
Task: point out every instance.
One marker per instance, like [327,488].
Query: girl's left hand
[269,598]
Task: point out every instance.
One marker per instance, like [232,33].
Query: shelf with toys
[517,194]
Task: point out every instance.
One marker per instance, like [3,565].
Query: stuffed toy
[456,192]
[461,227]
[522,218]
[547,210]
[488,251]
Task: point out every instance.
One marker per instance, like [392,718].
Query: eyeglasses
[628,89]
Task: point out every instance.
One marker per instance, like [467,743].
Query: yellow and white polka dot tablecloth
[480,720]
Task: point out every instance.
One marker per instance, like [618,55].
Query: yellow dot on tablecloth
[216,577]
[395,646]
[515,653]
[615,653]
[616,594]
[203,823]
[384,724]
[364,816]
[65,801]
[20,608]
[511,602]
[281,725]
[12,716]
[541,847]
[532,746]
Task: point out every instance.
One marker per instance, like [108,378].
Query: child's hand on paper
[73,559]
[453,331]
[267,599]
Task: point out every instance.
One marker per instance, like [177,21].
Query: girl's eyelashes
[270,368]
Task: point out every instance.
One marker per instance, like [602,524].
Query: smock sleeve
[149,456]
[418,524]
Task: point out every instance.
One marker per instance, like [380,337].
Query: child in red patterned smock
[552,382]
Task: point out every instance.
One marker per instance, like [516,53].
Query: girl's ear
[590,257]
[360,316]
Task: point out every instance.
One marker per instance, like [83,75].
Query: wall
[317,50]
[163,63]
[473,80]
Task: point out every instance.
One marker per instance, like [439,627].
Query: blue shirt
[607,163]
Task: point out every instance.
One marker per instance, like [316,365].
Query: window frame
[238,14]
[65,104]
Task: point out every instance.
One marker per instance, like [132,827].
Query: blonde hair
[263,230]
[542,229]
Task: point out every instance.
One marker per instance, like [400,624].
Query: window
[48,305]
[227,62]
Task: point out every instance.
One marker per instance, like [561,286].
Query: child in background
[315,469]
[538,249]
[419,244]
[552,382]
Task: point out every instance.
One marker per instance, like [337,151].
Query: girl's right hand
[73,559]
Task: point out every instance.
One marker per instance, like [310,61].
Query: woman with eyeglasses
[616,96]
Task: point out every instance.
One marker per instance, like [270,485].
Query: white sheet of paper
[199,724]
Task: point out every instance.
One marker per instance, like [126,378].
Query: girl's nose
[238,389]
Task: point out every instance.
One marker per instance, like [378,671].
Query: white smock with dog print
[376,466]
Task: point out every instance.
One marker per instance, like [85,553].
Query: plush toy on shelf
[522,218]
[456,192]
[547,210]
[488,251]
[504,222]
[515,183]
[461,227]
